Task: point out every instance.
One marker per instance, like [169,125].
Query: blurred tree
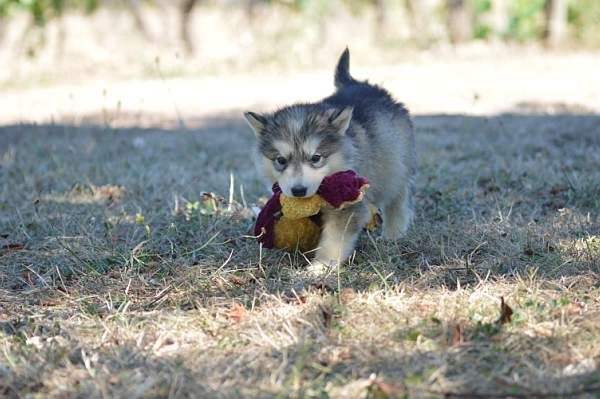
[250,7]
[555,22]
[482,19]
[499,17]
[381,8]
[526,20]
[584,20]
[138,19]
[459,21]
[187,6]
[419,25]
[3,25]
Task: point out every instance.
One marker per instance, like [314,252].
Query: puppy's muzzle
[298,191]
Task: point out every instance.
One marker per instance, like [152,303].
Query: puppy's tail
[342,71]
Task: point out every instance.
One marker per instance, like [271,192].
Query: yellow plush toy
[290,222]
[295,227]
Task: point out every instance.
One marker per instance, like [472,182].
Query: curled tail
[342,71]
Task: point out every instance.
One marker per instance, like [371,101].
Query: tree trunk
[418,22]
[250,9]
[499,17]
[458,21]
[555,31]
[134,9]
[3,28]
[186,13]
[380,19]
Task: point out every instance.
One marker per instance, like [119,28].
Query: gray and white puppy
[359,127]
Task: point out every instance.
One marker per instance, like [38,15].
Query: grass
[119,278]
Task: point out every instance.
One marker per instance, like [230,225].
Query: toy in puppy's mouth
[290,222]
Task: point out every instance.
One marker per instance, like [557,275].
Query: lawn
[128,269]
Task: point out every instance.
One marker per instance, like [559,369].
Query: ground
[119,278]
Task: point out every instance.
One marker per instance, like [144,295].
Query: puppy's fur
[360,127]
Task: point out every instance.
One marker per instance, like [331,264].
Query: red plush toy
[290,222]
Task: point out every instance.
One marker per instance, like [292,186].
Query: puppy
[359,127]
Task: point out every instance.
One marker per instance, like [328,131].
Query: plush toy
[290,222]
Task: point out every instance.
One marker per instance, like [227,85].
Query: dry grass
[119,279]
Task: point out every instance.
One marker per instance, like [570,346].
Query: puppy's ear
[257,122]
[340,119]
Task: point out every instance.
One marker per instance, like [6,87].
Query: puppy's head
[299,145]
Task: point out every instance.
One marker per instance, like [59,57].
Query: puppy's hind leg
[398,214]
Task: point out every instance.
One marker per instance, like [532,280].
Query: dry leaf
[50,302]
[302,298]
[347,295]
[575,308]
[237,313]
[236,280]
[505,312]
[13,247]
[457,336]
[558,189]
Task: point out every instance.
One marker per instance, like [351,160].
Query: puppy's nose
[299,191]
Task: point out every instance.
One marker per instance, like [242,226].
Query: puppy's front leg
[340,231]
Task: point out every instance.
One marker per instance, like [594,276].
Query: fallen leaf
[236,280]
[13,247]
[575,308]
[347,295]
[50,302]
[505,312]
[237,313]
[558,189]
[457,336]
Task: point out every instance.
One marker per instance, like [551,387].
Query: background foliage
[525,18]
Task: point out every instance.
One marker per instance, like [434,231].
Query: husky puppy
[359,127]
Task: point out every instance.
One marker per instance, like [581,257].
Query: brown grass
[119,279]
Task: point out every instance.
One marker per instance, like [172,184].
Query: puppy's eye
[315,159]
[281,161]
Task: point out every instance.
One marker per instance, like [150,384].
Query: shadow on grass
[103,233]
[501,195]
